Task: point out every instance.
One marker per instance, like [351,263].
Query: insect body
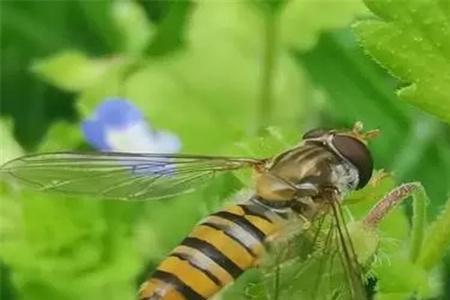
[297,186]
[218,250]
[296,183]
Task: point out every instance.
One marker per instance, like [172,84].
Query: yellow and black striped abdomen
[217,251]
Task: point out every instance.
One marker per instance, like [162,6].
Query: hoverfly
[294,188]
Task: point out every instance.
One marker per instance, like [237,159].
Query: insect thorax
[305,172]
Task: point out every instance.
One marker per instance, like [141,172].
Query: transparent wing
[126,176]
[349,260]
[326,266]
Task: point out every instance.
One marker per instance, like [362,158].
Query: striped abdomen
[216,252]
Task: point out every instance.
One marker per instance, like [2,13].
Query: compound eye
[315,133]
[358,154]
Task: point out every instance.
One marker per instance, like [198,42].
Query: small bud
[365,240]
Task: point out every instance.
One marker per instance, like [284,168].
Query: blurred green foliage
[202,71]
[412,40]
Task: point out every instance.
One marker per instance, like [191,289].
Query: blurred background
[210,77]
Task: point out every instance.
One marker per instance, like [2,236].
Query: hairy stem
[389,202]
[393,199]
[268,70]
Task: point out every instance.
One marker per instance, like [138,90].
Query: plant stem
[277,282]
[389,202]
[437,241]
[268,70]
[393,199]
[420,201]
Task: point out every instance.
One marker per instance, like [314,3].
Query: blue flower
[118,125]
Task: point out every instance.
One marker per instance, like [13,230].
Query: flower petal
[167,142]
[119,126]
[95,135]
[117,112]
[135,137]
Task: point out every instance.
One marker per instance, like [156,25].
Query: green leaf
[65,248]
[133,26]
[437,241]
[356,89]
[170,31]
[191,92]
[271,7]
[391,278]
[272,142]
[97,17]
[412,40]
[62,136]
[302,21]
[73,71]
[9,148]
